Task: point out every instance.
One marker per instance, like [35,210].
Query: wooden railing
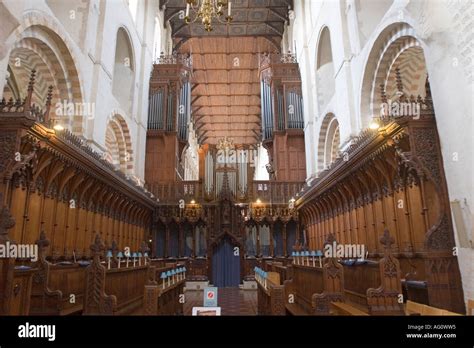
[274,191]
[265,191]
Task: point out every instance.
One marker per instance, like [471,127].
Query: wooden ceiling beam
[275,29]
[226,69]
[278,14]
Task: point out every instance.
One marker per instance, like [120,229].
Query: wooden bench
[161,298]
[341,308]
[376,285]
[53,285]
[270,298]
[116,291]
[313,288]
[414,308]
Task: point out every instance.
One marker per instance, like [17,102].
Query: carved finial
[399,83]
[48,103]
[98,247]
[42,242]
[31,85]
[114,247]
[383,95]
[330,239]
[387,240]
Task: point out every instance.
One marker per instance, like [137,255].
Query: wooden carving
[385,300]
[44,299]
[96,301]
[333,280]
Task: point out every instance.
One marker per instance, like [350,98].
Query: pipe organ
[282,116]
[169,114]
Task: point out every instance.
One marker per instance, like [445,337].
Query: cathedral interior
[298,157]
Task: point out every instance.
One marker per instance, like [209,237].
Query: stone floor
[233,301]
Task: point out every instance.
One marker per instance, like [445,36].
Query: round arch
[329,141]
[124,70]
[397,46]
[325,82]
[40,43]
[118,143]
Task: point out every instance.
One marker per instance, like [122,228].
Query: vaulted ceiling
[250,18]
[226,88]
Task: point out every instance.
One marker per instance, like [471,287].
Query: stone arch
[329,141]
[325,82]
[124,70]
[397,46]
[42,44]
[118,144]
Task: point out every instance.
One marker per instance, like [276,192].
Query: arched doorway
[226,263]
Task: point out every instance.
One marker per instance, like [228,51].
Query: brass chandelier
[206,11]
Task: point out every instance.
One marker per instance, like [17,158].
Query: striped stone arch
[396,47]
[329,141]
[41,43]
[118,143]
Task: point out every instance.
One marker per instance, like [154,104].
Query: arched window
[325,83]
[124,71]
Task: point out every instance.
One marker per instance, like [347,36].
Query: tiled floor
[232,301]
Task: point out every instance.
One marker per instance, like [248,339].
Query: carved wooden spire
[48,104]
[31,85]
[97,248]
[42,243]
[383,94]
[330,239]
[387,240]
[399,81]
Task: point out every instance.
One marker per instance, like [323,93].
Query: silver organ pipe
[209,173]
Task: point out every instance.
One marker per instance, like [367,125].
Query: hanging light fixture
[206,11]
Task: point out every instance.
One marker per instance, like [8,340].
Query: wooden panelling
[394,182]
